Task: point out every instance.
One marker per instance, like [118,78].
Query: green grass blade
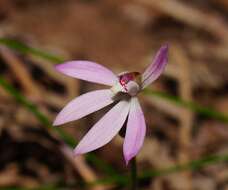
[32,108]
[67,138]
[209,112]
[191,165]
[25,49]
[123,180]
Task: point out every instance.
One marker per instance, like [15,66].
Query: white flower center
[127,84]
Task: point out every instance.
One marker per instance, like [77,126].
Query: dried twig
[210,22]
[186,118]
[20,72]
[185,90]
[84,170]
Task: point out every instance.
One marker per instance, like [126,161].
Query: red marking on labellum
[127,77]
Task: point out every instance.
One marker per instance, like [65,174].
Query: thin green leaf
[33,109]
[191,165]
[67,138]
[123,180]
[25,49]
[209,112]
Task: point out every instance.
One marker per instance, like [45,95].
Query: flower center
[124,79]
[128,83]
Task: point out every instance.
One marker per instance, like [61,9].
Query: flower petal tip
[58,121]
[126,162]
[77,152]
[155,69]
[58,67]
[165,46]
[55,123]
[127,158]
[164,50]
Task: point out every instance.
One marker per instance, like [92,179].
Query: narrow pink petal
[136,130]
[155,69]
[84,105]
[105,129]
[88,71]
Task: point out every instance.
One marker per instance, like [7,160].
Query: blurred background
[186,110]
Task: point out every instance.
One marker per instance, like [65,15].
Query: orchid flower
[123,90]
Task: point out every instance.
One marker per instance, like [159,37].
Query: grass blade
[209,112]
[33,109]
[191,165]
[25,49]
[68,139]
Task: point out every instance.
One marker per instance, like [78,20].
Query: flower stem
[134,182]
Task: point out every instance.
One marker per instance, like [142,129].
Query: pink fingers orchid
[123,90]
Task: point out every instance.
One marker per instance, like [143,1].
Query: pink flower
[123,90]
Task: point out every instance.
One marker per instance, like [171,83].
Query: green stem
[134,182]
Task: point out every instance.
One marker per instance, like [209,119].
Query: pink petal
[155,69]
[136,130]
[84,105]
[105,129]
[88,71]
